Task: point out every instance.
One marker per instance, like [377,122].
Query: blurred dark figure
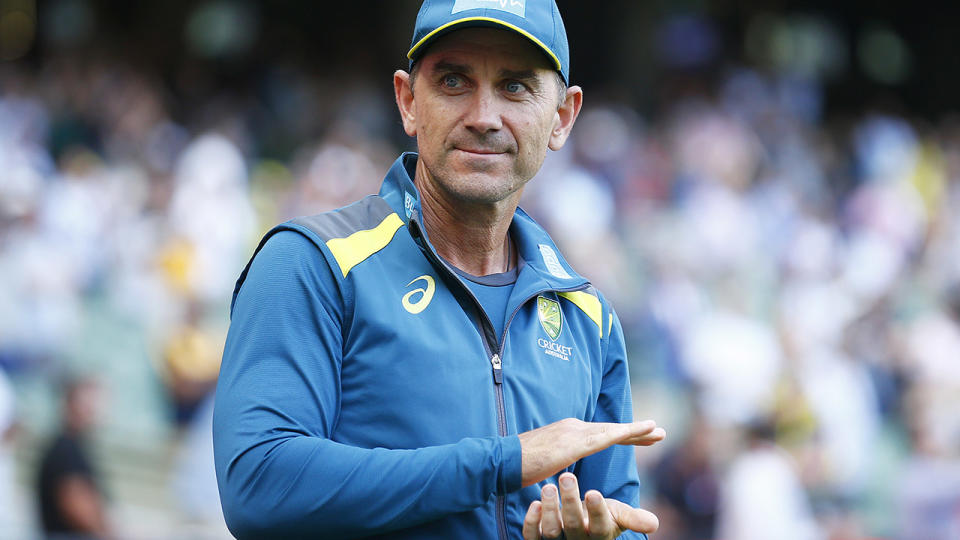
[686,486]
[71,500]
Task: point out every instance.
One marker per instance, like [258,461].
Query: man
[423,363]
[70,498]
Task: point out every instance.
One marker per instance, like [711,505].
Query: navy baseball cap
[537,20]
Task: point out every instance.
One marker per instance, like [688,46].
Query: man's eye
[451,81]
[514,87]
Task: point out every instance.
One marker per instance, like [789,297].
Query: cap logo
[517,7]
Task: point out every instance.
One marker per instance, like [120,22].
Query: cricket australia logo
[551,319]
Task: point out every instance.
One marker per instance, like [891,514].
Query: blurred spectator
[735,362]
[210,211]
[194,481]
[70,491]
[191,362]
[687,487]
[761,495]
[10,510]
[928,487]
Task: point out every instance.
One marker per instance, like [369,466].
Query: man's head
[81,403]
[487,97]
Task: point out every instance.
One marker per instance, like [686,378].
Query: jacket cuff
[511,466]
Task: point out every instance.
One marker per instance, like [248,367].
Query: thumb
[632,519]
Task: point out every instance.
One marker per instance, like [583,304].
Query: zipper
[490,345]
[502,430]
[493,348]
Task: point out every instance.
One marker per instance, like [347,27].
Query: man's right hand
[550,449]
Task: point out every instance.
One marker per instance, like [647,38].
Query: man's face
[484,106]
[83,406]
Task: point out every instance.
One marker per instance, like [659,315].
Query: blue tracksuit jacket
[363,391]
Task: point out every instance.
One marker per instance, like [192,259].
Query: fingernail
[593,497]
[566,481]
[549,490]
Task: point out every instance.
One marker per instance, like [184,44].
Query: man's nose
[484,111]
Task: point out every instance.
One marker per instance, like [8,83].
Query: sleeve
[613,472]
[279,473]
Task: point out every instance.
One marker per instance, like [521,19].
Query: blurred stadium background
[769,192]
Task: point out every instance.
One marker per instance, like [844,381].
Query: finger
[551,524]
[597,436]
[638,428]
[572,510]
[624,433]
[600,522]
[629,518]
[531,523]
[646,439]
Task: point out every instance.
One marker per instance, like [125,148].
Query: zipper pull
[497,369]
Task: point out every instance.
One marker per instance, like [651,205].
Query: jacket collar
[534,244]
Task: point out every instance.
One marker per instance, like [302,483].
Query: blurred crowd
[789,285]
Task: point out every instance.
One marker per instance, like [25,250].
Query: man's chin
[483,188]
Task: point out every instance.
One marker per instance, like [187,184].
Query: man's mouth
[479,151]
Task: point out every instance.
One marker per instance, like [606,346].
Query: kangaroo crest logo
[423,295]
[551,318]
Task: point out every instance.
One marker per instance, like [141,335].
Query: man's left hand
[595,517]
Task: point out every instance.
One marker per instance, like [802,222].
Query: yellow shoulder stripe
[589,304]
[354,249]
[609,323]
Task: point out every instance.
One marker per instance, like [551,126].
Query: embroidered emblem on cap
[517,7]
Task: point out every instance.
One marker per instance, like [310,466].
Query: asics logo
[426,294]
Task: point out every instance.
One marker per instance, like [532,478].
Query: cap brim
[481,21]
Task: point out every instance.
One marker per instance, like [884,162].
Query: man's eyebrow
[446,66]
[522,75]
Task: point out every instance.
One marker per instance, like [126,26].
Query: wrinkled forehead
[477,47]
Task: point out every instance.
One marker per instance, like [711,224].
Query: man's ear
[566,115]
[404,95]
